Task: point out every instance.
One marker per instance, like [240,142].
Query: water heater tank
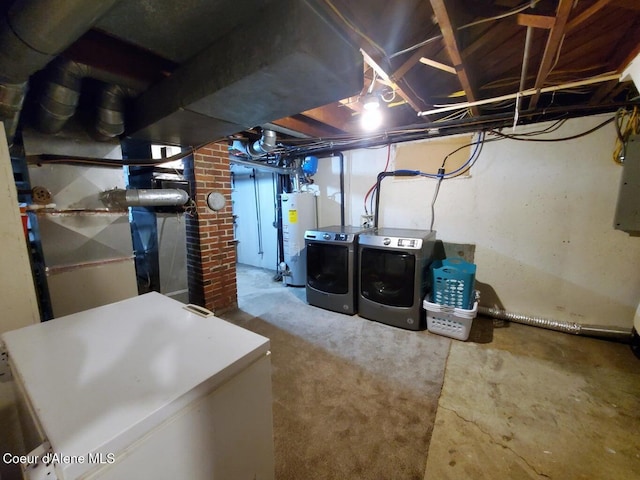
[299,214]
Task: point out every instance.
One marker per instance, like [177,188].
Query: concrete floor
[533,403]
[521,402]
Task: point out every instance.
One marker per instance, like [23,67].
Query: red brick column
[211,251]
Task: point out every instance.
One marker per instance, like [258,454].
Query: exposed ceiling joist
[438,65]
[410,63]
[453,49]
[486,38]
[525,93]
[537,21]
[334,115]
[410,98]
[603,92]
[554,42]
[588,13]
[298,125]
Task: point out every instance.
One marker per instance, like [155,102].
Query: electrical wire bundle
[440,175]
[627,124]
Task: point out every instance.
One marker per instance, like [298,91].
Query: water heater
[299,214]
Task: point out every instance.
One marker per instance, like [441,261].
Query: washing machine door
[328,267]
[387,276]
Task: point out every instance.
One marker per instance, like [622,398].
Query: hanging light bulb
[371,116]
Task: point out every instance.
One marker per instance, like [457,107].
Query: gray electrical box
[627,216]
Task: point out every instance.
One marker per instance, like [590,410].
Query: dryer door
[328,267]
[387,276]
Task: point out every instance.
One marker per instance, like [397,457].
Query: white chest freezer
[143,389]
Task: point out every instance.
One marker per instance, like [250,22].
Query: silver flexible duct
[618,333]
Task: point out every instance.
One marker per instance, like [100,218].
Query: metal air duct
[263,146]
[110,121]
[290,61]
[62,91]
[31,34]
[60,97]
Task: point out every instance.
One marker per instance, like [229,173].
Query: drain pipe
[381,176]
[31,34]
[600,331]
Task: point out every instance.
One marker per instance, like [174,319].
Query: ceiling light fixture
[371,115]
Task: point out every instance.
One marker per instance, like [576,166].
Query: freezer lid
[100,379]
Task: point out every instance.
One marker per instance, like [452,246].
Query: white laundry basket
[450,321]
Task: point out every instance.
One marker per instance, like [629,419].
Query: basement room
[320,239]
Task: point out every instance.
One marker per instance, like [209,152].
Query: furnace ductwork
[263,146]
[31,34]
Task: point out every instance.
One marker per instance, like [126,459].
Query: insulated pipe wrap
[161,197]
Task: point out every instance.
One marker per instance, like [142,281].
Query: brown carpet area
[353,399]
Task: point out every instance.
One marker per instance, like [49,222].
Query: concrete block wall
[211,251]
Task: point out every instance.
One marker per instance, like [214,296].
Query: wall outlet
[366,221]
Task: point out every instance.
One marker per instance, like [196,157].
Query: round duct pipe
[110,121]
[60,97]
[11,99]
[162,197]
[263,146]
[31,34]
[62,92]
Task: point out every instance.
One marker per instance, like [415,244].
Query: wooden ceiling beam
[487,37]
[410,63]
[554,41]
[587,14]
[410,98]
[334,115]
[298,125]
[438,65]
[451,44]
[603,92]
[536,21]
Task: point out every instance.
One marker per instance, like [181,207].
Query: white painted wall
[250,250]
[540,215]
